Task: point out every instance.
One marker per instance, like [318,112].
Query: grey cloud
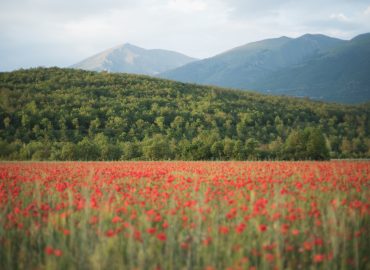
[61,32]
[332,24]
[247,9]
[66,8]
[254,8]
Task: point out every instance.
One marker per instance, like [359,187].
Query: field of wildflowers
[185,215]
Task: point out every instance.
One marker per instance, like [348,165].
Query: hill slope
[132,59]
[314,66]
[341,74]
[68,114]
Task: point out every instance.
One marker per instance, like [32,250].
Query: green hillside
[66,114]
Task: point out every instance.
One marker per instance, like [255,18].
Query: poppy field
[185,215]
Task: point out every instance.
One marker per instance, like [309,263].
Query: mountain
[314,66]
[65,114]
[341,74]
[132,59]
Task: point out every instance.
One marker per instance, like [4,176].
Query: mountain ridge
[262,65]
[311,65]
[130,58]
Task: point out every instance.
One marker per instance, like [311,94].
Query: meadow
[185,215]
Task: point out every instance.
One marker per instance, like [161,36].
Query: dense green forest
[66,114]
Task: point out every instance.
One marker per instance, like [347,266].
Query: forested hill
[66,114]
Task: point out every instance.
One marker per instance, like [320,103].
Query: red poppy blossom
[49,250]
[116,219]
[151,230]
[162,236]
[58,252]
[262,227]
[224,230]
[318,258]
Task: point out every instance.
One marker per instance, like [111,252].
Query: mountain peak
[310,36]
[312,43]
[264,44]
[362,37]
[130,45]
[130,58]
[284,38]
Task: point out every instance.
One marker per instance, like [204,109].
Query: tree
[5,149]
[160,121]
[316,147]
[35,150]
[156,148]
[346,147]
[279,125]
[229,148]
[94,125]
[130,151]
[276,148]
[217,150]
[307,144]
[7,122]
[250,148]
[102,143]
[240,151]
[87,150]
[295,145]
[69,151]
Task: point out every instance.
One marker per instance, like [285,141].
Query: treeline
[65,114]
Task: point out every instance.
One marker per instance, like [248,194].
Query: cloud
[65,9]
[62,32]
[367,11]
[251,8]
[339,17]
[187,5]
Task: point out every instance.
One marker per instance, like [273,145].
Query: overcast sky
[63,32]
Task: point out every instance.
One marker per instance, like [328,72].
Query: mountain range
[313,65]
[129,58]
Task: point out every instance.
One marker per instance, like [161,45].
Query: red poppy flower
[162,236]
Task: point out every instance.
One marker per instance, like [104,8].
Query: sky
[62,32]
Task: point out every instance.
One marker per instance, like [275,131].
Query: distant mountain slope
[314,66]
[341,74]
[132,59]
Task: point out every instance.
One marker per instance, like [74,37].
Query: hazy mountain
[315,66]
[341,74]
[132,59]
